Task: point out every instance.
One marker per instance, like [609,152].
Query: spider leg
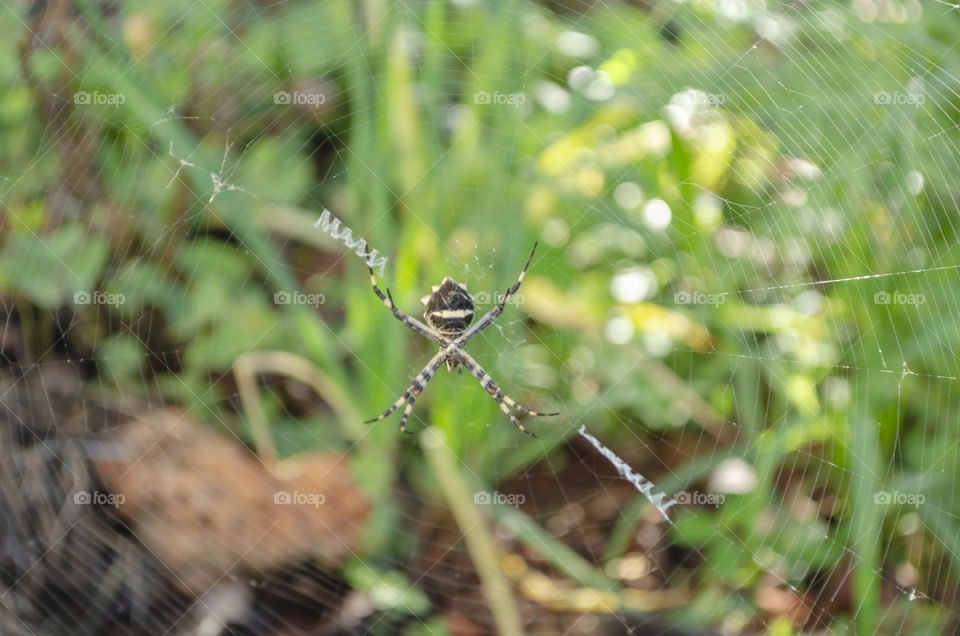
[489,317]
[516,422]
[523,409]
[415,387]
[403,398]
[409,321]
[516,285]
[485,379]
[406,414]
[499,396]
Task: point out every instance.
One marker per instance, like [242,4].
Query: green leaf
[275,169]
[121,357]
[388,591]
[143,283]
[50,269]
[305,51]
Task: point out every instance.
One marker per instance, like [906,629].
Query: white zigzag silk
[330,224]
[639,482]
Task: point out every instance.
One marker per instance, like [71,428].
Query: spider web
[746,287]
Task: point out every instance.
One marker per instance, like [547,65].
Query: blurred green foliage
[193,201]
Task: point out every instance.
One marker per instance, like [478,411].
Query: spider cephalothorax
[449,309]
[449,312]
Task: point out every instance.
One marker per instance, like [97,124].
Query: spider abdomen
[449,308]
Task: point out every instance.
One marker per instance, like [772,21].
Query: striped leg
[499,396]
[523,409]
[485,379]
[409,321]
[415,387]
[406,413]
[516,422]
[491,315]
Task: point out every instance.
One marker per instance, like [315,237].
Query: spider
[448,312]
